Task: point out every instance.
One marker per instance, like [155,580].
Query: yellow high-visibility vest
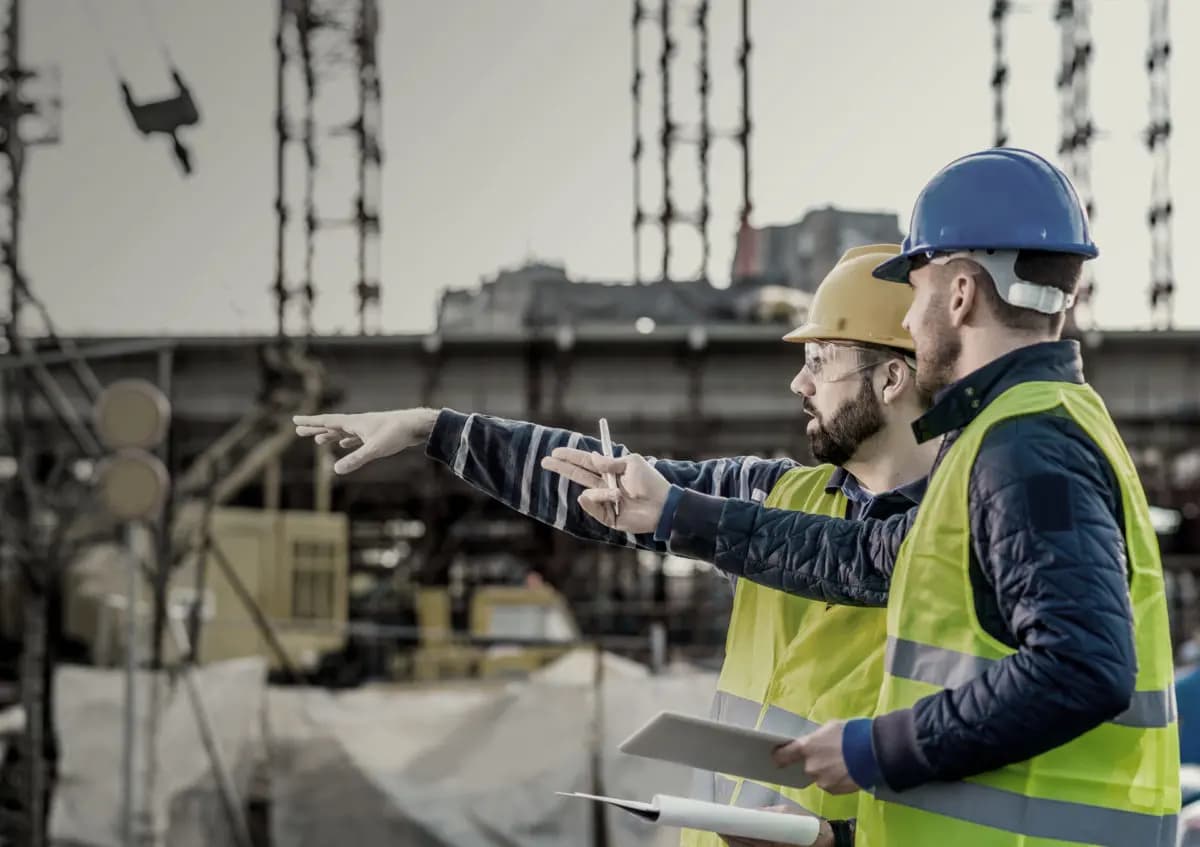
[1116,785]
[792,664]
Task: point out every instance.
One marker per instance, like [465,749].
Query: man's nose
[802,384]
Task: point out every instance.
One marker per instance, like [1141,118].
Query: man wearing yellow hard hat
[791,664]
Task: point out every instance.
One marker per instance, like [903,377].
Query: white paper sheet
[666,810]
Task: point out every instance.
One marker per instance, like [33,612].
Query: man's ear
[898,378]
[964,298]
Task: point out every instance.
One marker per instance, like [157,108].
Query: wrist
[444,438]
[426,420]
[694,525]
[666,513]
[859,753]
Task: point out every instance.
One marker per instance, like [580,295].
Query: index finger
[592,461]
[313,430]
[325,421]
[572,472]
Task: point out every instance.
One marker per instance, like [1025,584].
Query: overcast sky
[507,133]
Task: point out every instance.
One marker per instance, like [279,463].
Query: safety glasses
[829,362]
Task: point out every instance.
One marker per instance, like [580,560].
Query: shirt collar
[958,404]
[845,482]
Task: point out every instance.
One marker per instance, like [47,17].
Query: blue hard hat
[1002,198]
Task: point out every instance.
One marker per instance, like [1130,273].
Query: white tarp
[472,765]
[186,808]
[466,764]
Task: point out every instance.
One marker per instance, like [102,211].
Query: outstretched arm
[500,457]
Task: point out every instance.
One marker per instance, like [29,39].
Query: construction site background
[208,638]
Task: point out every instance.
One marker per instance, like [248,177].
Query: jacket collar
[959,403]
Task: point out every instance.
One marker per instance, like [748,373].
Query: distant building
[775,271]
[541,296]
[799,255]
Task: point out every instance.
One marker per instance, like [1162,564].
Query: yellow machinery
[293,565]
[270,582]
[521,614]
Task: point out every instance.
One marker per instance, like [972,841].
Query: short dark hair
[1057,270]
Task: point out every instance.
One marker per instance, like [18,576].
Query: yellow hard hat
[852,305]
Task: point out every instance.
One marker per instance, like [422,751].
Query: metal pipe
[744,133]
[639,216]
[704,90]
[369,159]
[307,21]
[1000,10]
[60,404]
[230,802]
[196,610]
[281,138]
[162,558]
[361,168]
[256,613]
[599,814]
[666,134]
[129,741]
[35,671]
[107,350]
[1158,136]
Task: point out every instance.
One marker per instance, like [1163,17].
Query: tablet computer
[714,746]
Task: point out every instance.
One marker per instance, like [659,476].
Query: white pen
[606,447]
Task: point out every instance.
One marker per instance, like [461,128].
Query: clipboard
[713,746]
[665,810]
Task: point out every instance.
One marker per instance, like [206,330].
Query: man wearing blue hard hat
[1027,697]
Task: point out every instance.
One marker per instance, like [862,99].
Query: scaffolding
[1000,13]
[1076,128]
[28,537]
[319,45]
[1158,141]
[671,133]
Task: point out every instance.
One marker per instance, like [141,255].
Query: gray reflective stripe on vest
[740,711]
[950,669]
[782,722]
[934,665]
[724,789]
[755,795]
[732,709]
[1037,817]
[704,786]
[1149,709]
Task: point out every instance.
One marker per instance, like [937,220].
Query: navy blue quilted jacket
[1047,567]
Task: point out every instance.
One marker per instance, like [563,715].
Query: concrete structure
[541,296]
[774,269]
[798,255]
[695,392]
[727,384]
